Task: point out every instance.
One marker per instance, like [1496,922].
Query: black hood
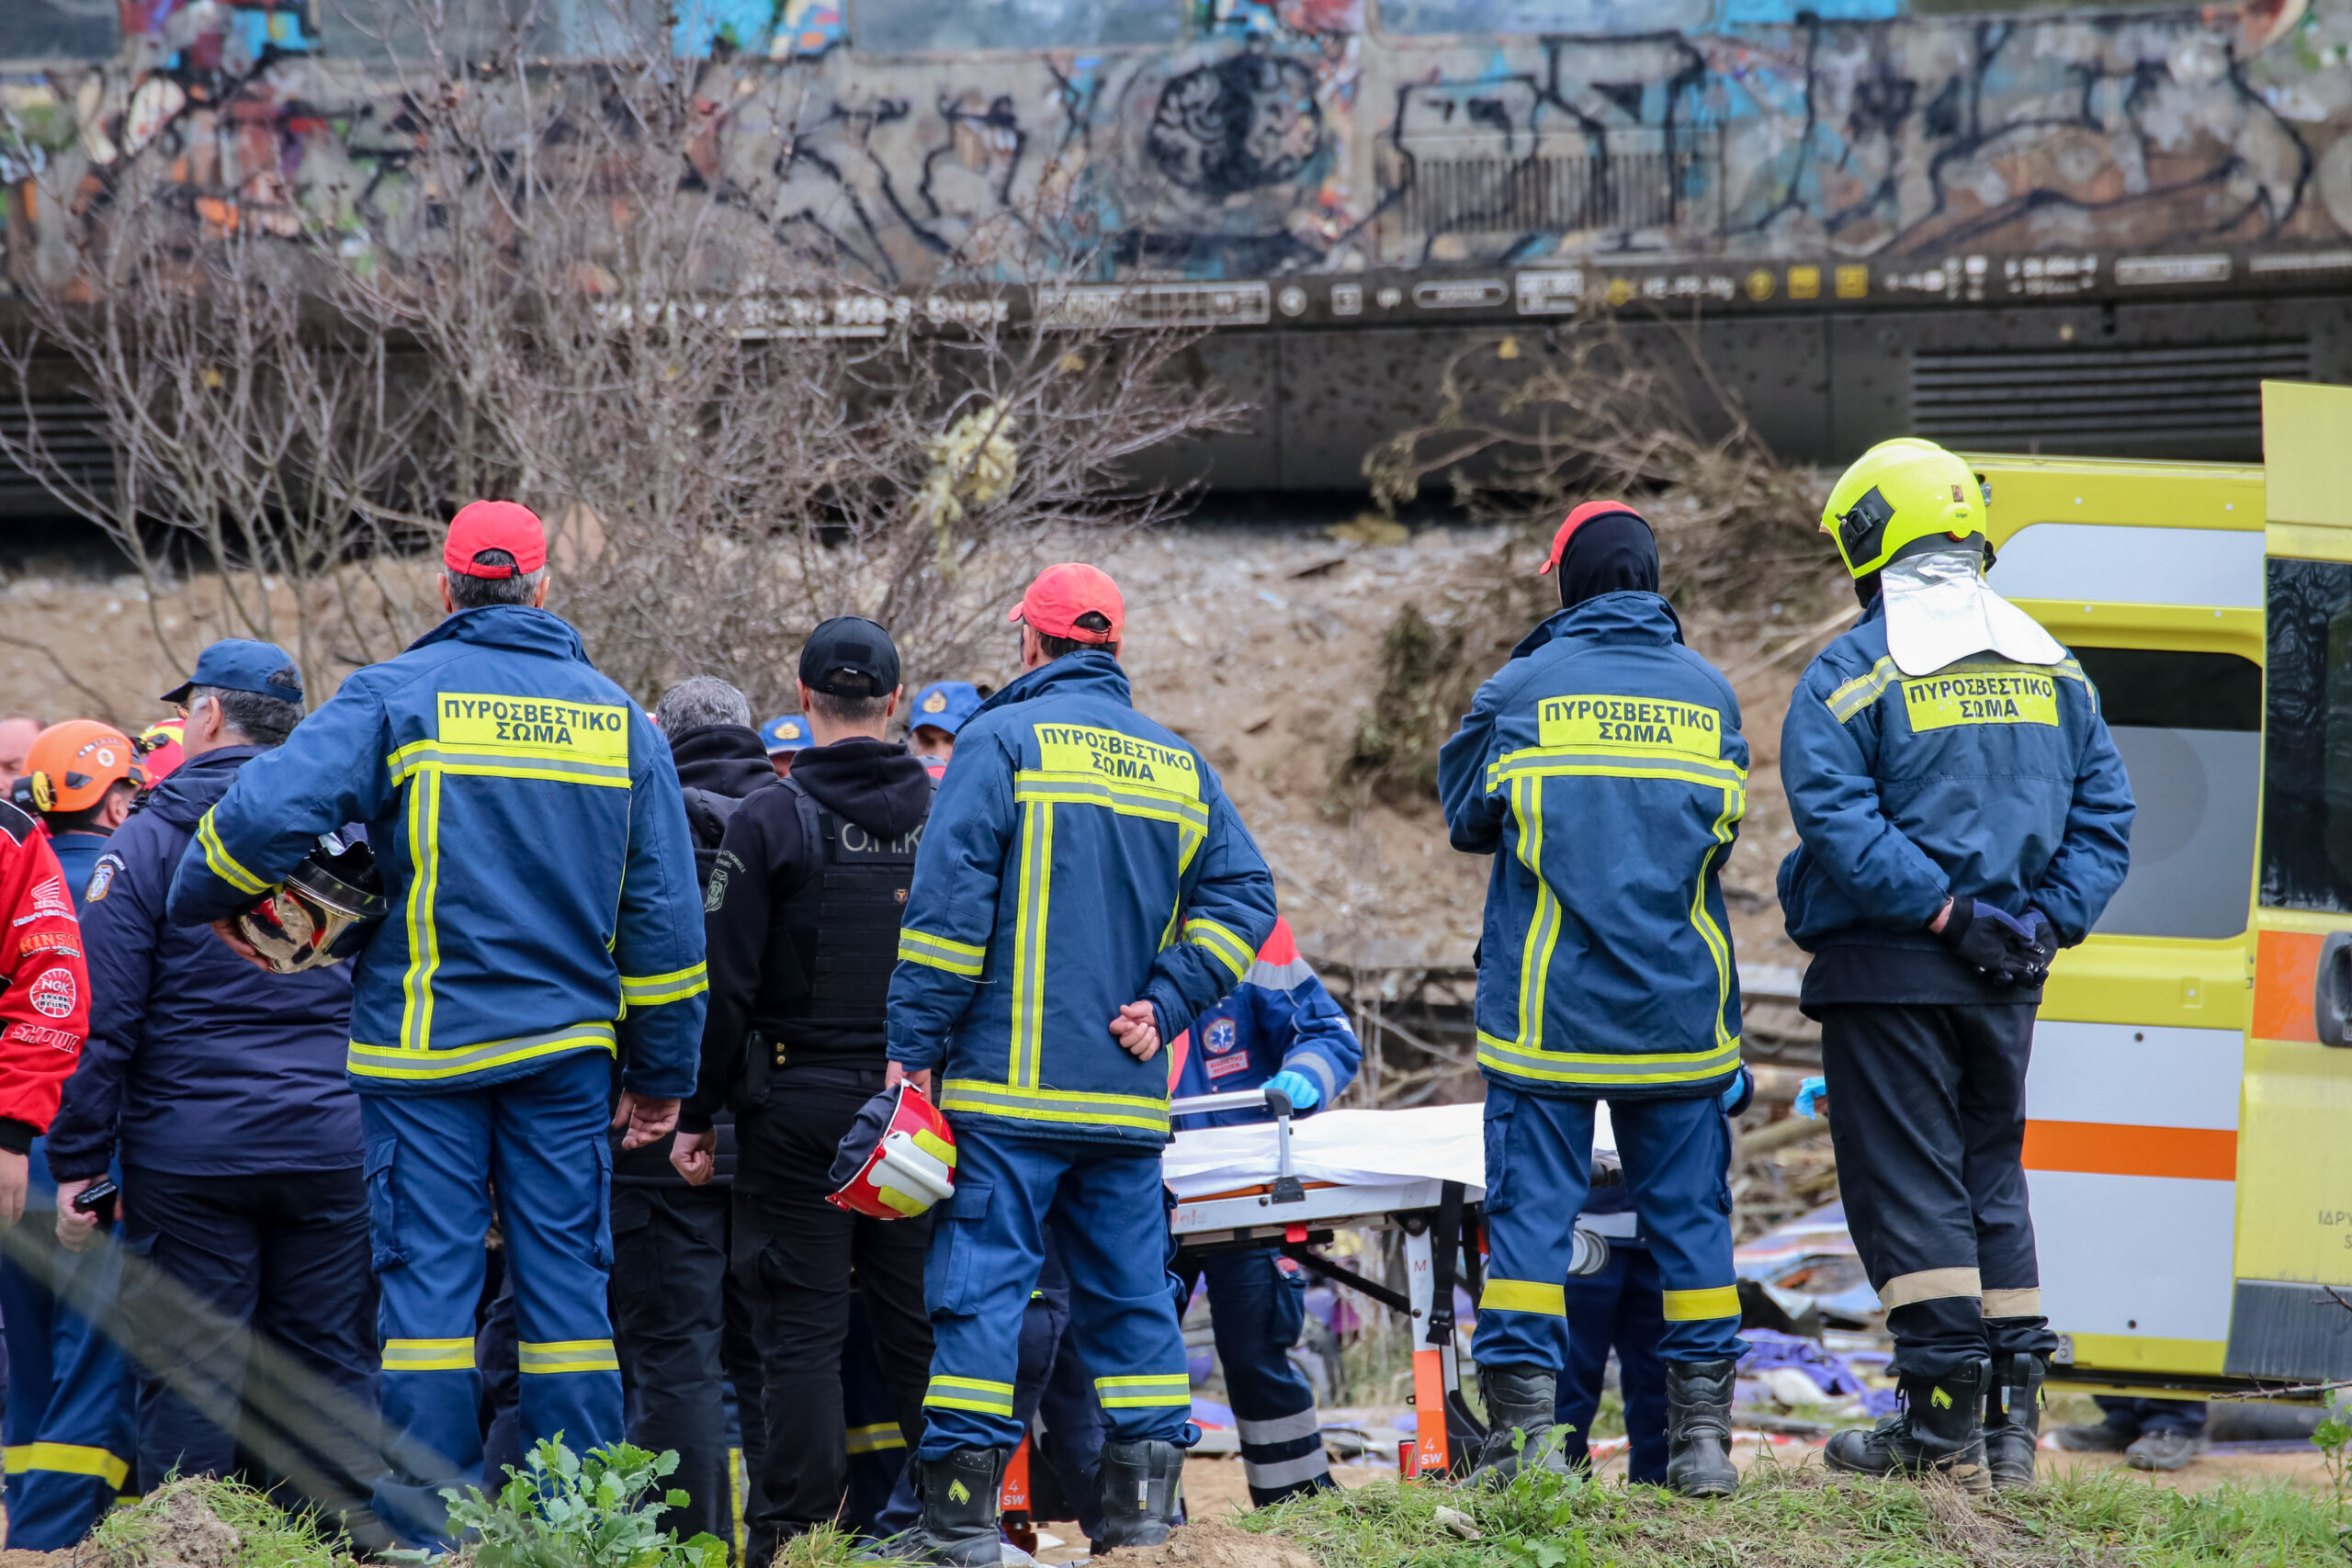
[724,759]
[1614,553]
[197,785]
[875,783]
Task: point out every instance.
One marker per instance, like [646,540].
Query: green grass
[157,1529]
[1800,1517]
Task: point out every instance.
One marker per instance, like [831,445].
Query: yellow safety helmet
[1897,493]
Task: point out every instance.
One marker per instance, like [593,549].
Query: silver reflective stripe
[1282,1428]
[1286,1473]
[1318,1070]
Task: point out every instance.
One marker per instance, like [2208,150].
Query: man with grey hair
[679,1319]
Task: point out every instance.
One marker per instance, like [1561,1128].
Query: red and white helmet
[898,1159]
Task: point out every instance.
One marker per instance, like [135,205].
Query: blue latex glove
[1810,1094]
[1737,1093]
[1304,1095]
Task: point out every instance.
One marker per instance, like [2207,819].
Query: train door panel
[2152,573]
[2294,1246]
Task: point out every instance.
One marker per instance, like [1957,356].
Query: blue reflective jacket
[1079,857]
[197,1063]
[528,821]
[1279,1018]
[1985,780]
[1604,770]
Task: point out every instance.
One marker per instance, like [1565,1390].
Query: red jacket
[44,981]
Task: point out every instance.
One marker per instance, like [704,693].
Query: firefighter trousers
[1102,1203]
[540,1142]
[1927,1112]
[1539,1166]
[70,1427]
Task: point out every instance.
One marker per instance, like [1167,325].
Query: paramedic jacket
[1279,1018]
[1079,857]
[528,821]
[1604,770]
[198,1063]
[1985,780]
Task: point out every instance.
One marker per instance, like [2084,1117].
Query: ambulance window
[2190,729]
[2306,785]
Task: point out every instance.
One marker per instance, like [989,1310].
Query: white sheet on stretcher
[1352,1148]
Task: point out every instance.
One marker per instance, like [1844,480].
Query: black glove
[2005,949]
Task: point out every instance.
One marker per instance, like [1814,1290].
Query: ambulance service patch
[1221,1036]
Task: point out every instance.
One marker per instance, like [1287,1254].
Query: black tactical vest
[842,926]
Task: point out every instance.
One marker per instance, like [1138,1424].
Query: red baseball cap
[1578,519]
[1062,593]
[507,526]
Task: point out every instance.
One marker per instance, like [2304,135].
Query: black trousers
[683,1331]
[797,1258]
[1927,1112]
[261,1301]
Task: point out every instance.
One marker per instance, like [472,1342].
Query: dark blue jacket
[1985,780]
[1079,857]
[197,1063]
[1604,770]
[1278,1018]
[526,817]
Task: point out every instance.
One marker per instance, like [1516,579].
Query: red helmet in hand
[898,1159]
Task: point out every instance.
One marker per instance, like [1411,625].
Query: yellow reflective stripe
[400,1062]
[1543,931]
[892,1198]
[652,990]
[424,941]
[1523,1295]
[1126,799]
[1065,1106]
[1026,1063]
[1861,691]
[1718,944]
[225,865]
[881,1436]
[568,1356]
[554,767]
[1223,945]
[429,1355]
[1601,763]
[67,1459]
[1599,1070]
[969,1393]
[940,952]
[1140,1392]
[1694,1306]
[936,1147]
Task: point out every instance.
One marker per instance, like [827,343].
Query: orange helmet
[71,766]
[898,1159]
[159,750]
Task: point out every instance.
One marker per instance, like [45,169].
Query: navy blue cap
[786,733]
[944,704]
[241,664]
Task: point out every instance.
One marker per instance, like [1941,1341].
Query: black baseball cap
[849,645]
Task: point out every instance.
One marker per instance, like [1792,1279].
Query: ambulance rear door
[2292,1317]
[2152,573]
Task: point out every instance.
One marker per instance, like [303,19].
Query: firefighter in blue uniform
[1280,1030]
[544,918]
[1604,769]
[1084,889]
[70,1428]
[1961,815]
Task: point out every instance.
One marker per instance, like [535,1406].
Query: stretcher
[1420,1172]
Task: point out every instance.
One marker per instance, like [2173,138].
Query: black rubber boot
[1939,1432]
[958,1493]
[1698,1428]
[2013,1419]
[1519,1400]
[1140,1491]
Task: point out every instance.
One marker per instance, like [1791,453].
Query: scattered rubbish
[1455,1522]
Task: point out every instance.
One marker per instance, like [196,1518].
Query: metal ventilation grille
[1638,186]
[2093,400]
[75,436]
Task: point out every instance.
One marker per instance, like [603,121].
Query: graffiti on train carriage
[1228,139]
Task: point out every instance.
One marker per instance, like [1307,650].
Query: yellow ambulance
[2189,1140]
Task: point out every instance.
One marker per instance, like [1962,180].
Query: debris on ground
[1210,1544]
